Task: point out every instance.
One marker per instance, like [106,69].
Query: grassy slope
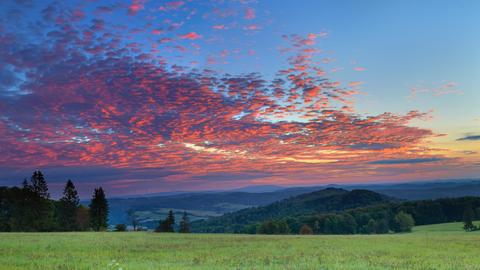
[442,246]
[453,227]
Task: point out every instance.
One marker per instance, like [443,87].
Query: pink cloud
[355,84]
[444,88]
[135,7]
[103,102]
[249,14]
[191,35]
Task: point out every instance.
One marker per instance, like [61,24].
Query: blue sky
[328,91]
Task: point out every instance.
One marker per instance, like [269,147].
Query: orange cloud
[191,35]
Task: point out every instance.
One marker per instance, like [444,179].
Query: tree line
[30,208]
[333,223]
[380,218]
[166,225]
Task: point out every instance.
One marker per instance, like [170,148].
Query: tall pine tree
[68,208]
[38,214]
[170,221]
[99,210]
[39,185]
[167,225]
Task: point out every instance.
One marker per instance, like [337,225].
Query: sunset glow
[146,96]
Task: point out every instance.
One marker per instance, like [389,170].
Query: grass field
[443,246]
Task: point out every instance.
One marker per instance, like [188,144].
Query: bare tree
[133,218]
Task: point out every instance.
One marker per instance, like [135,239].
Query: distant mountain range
[202,205]
[427,190]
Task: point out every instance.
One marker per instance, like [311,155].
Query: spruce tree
[167,225]
[68,207]
[38,213]
[39,185]
[184,224]
[99,210]
[170,221]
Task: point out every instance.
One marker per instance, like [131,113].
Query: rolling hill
[322,201]
[198,205]
[201,205]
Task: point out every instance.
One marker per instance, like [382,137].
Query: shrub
[305,230]
[403,222]
[120,227]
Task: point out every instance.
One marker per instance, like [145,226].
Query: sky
[145,96]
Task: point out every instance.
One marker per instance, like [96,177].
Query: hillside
[198,205]
[322,201]
[444,228]
[202,205]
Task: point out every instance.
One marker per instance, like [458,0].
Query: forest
[30,208]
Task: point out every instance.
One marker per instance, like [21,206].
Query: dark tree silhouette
[82,219]
[39,185]
[468,219]
[120,228]
[170,221]
[38,209]
[184,224]
[167,225]
[274,227]
[68,208]
[99,210]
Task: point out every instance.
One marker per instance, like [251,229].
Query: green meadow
[443,246]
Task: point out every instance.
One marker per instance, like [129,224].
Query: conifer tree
[170,222]
[38,209]
[99,210]
[39,185]
[167,225]
[68,207]
[184,224]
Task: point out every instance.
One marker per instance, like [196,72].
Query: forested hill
[322,201]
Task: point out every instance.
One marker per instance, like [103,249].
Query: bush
[120,227]
[273,227]
[305,230]
[403,222]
